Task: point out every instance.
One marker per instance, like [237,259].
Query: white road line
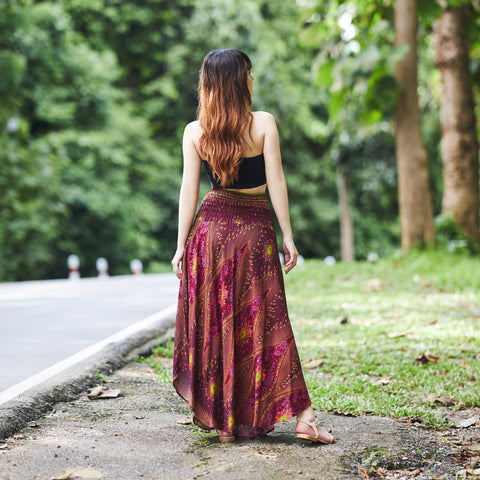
[49,372]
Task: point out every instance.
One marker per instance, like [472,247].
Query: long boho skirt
[236,361]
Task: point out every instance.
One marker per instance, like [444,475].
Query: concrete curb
[16,414]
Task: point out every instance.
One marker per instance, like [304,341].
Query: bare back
[254,144]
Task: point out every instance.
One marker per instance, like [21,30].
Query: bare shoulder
[193,130]
[263,117]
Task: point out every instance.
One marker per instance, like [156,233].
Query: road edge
[19,412]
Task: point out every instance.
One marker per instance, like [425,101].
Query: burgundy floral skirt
[235,361]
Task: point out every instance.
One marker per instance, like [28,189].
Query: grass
[393,311]
[161,361]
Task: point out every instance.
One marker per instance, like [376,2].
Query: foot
[225,436]
[313,431]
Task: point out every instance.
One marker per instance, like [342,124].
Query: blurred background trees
[94,96]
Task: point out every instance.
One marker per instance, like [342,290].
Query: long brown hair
[224,111]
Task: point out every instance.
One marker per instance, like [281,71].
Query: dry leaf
[364,472]
[311,363]
[400,334]
[319,336]
[3,446]
[426,358]
[101,392]
[139,417]
[186,421]
[443,401]
[467,422]
[382,381]
[79,472]
[381,472]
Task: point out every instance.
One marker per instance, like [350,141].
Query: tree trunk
[416,216]
[346,224]
[459,136]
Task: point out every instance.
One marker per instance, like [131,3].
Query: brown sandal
[225,436]
[327,438]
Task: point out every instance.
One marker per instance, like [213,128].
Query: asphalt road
[44,322]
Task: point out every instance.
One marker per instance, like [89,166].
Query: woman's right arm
[188,193]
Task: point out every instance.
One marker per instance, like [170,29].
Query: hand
[291,254]
[177,262]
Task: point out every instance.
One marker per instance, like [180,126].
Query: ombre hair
[224,111]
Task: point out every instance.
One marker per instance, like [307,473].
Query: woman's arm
[188,193]
[277,188]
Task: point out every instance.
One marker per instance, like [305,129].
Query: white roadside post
[73,264]
[102,267]
[136,266]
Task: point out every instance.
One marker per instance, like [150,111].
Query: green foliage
[96,93]
[450,236]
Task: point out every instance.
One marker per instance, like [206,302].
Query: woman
[236,362]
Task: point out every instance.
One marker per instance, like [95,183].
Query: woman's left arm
[188,194]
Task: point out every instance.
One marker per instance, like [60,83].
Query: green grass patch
[393,312]
[161,361]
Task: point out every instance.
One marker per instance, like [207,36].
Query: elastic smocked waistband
[236,195]
[226,203]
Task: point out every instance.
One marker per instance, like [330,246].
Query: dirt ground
[144,433]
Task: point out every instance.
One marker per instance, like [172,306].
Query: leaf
[400,334]
[101,392]
[311,364]
[79,472]
[467,422]
[426,358]
[443,401]
[186,421]
[364,472]
[382,381]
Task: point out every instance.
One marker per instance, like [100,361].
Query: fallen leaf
[18,436]
[381,472]
[94,392]
[377,433]
[140,417]
[311,363]
[426,358]
[426,284]
[3,446]
[186,421]
[443,401]
[382,381]
[414,473]
[364,472]
[79,472]
[100,392]
[400,334]
[467,422]
[319,336]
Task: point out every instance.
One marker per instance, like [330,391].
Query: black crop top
[251,173]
